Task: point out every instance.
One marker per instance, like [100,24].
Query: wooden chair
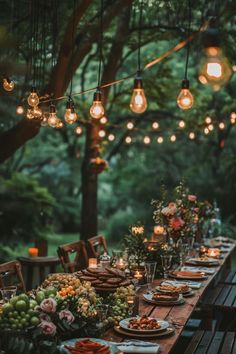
[207,342]
[97,245]
[81,257]
[9,271]
[230,278]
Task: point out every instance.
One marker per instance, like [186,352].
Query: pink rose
[48,305]
[44,317]
[176,223]
[48,328]
[66,315]
[192,198]
[196,210]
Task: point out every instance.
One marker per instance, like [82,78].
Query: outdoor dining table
[177,315]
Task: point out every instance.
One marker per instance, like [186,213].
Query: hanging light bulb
[130,125]
[103,120]
[102,133]
[185,98]
[208,120]
[206,131]
[78,130]
[97,110]
[44,121]
[233,118]
[111,137]
[146,140]
[37,112]
[29,113]
[128,140]
[191,135]
[59,124]
[221,125]
[138,102]
[33,99]
[211,127]
[181,124]
[173,138]
[160,140]
[215,68]
[155,125]
[52,119]
[8,84]
[20,109]
[70,115]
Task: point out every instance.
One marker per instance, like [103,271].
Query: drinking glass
[166,261]
[183,253]
[8,292]
[150,268]
[131,303]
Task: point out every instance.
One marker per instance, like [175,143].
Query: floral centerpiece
[178,215]
[134,242]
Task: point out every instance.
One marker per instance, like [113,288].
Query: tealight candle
[120,263]
[93,263]
[33,252]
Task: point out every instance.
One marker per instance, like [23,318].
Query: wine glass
[183,253]
[150,268]
[166,261]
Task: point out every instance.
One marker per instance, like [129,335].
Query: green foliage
[26,209]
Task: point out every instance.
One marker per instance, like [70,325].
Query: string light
[191,135]
[206,131]
[155,125]
[59,124]
[160,140]
[102,133]
[185,98]
[37,112]
[211,127]
[221,125]
[8,84]
[173,138]
[128,140]
[53,120]
[33,98]
[130,125]
[233,118]
[78,130]
[111,137]
[103,120]
[208,120]
[29,114]
[44,121]
[70,114]
[138,102]
[234,68]
[215,68]
[146,140]
[181,124]
[20,109]
[97,110]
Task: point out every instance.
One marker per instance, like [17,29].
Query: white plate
[124,324]
[148,298]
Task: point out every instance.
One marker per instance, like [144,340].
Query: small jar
[105,260]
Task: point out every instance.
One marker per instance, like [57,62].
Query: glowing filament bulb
[191,135]
[206,131]
[70,115]
[185,98]
[155,125]
[33,99]
[173,138]
[59,124]
[8,84]
[52,119]
[181,124]
[37,112]
[146,140]
[221,125]
[160,140]
[102,133]
[19,109]
[130,125]
[103,120]
[208,120]
[111,137]
[78,130]
[128,140]
[138,102]
[211,127]
[233,118]
[97,110]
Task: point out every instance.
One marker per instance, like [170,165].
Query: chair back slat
[8,271]
[97,245]
[81,257]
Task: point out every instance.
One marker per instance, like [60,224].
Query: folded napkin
[136,346]
[199,269]
[191,284]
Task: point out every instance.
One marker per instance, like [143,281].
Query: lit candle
[93,263]
[138,275]
[120,263]
[33,252]
[158,230]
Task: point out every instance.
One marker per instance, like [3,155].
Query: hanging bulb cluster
[8,84]
[70,114]
[97,110]
[215,69]
[185,98]
[138,102]
[53,120]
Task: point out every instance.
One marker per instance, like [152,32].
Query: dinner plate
[148,298]
[168,331]
[176,275]
[158,288]
[124,324]
[206,262]
[72,342]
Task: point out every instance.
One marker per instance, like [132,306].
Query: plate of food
[173,289]
[164,299]
[89,345]
[207,261]
[188,275]
[143,324]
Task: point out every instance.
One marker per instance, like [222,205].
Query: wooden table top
[176,315]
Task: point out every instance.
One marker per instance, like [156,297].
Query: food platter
[188,275]
[149,298]
[162,325]
[168,331]
[203,261]
[184,289]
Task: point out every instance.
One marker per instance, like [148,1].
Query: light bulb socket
[97,95]
[52,108]
[185,84]
[69,103]
[33,89]
[138,81]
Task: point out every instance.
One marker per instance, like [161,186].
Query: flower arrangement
[135,245]
[178,215]
[98,165]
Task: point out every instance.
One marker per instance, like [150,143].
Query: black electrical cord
[101,43]
[73,46]
[139,35]
[188,45]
